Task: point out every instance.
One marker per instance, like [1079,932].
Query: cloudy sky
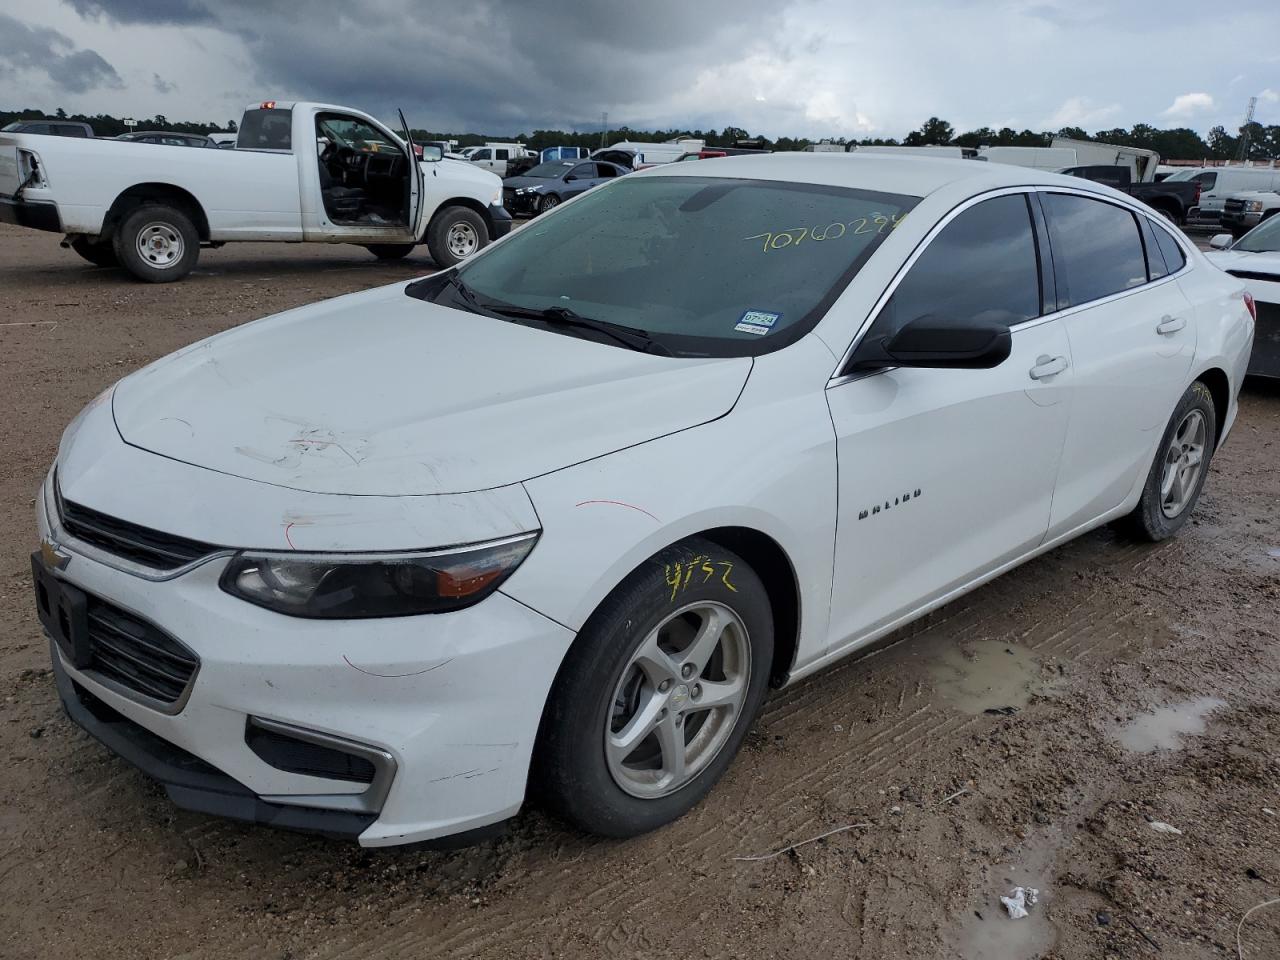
[803,67]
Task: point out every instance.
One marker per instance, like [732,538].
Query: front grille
[151,548]
[138,655]
[1235,206]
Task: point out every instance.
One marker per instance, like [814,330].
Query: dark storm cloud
[161,85]
[41,48]
[483,64]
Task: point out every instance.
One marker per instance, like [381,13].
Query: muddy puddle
[1164,727]
[987,676]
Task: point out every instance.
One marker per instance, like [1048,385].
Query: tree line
[1176,143]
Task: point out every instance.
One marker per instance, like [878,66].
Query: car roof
[888,173]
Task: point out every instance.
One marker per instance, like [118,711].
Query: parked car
[627,159]
[548,185]
[562,515]
[1255,260]
[1218,183]
[650,154]
[548,154]
[1174,199]
[223,141]
[498,157]
[54,128]
[1241,212]
[300,171]
[168,139]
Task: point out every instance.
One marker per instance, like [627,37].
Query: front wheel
[456,234]
[1181,463]
[657,693]
[157,243]
[548,203]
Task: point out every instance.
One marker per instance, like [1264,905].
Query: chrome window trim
[837,379]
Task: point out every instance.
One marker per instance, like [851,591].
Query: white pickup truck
[300,172]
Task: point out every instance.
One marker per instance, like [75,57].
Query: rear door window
[1097,250]
[982,265]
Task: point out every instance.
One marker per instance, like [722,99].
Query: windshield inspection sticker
[758,322]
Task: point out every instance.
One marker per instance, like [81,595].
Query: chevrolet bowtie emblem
[53,558]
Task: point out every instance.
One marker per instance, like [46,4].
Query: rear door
[945,475]
[1133,337]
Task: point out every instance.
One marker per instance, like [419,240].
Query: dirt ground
[952,805]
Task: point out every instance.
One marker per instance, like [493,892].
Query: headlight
[527,190]
[1253,206]
[497,199]
[339,586]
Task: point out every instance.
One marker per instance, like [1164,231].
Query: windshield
[553,169]
[704,265]
[1264,238]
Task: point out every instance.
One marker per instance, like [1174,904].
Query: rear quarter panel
[1224,328]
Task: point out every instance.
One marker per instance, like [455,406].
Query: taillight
[1199,186]
[1251,306]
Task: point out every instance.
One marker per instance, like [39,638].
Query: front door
[945,475]
[1133,337]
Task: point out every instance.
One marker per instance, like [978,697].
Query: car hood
[379,393]
[1244,260]
[462,171]
[515,183]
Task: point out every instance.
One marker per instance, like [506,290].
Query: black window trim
[840,374]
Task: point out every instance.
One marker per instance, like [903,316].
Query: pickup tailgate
[9,175]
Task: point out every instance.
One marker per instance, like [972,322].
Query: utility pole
[604,128]
[1244,131]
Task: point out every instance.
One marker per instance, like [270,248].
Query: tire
[98,252]
[601,690]
[390,251]
[1161,513]
[548,203]
[456,234]
[168,237]
[1170,215]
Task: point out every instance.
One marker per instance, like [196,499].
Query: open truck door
[417,185]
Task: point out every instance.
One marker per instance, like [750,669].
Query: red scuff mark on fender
[287,538]
[395,676]
[619,503]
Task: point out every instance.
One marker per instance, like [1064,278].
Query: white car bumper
[440,712]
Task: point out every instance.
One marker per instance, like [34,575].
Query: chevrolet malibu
[554,521]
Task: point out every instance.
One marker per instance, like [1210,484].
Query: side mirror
[1221,241]
[932,341]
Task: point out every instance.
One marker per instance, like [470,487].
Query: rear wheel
[1178,472]
[390,251]
[157,243]
[456,234]
[1170,215]
[658,692]
[98,252]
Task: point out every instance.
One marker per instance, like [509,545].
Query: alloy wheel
[1183,463]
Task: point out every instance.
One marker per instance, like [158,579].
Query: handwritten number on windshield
[781,239]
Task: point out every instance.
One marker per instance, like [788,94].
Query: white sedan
[565,513]
[1255,260]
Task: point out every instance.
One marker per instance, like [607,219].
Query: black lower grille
[151,548]
[310,759]
[138,655]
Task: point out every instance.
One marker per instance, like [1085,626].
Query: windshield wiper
[466,293]
[631,337]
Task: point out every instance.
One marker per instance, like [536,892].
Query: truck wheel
[157,243]
[456,234]
[1169,215]
[657,693]
[390,251]
[98,252]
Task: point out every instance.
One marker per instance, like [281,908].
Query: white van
[1218,183]
[498,157]
[651,153]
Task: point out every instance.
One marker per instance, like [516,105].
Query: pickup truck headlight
[340,586]
[1253,206]
[496,200]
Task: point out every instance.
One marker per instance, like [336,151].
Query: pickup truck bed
[1171,198]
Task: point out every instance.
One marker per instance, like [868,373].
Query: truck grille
[138,655]
[151,548]
[1233,206]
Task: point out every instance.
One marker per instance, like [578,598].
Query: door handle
[1047,366]
[1168,325]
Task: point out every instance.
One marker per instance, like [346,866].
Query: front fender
[768,465]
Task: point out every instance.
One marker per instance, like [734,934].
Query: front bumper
[36,214]
[1240,220]
[522,204]
[498,219]
[453,700]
